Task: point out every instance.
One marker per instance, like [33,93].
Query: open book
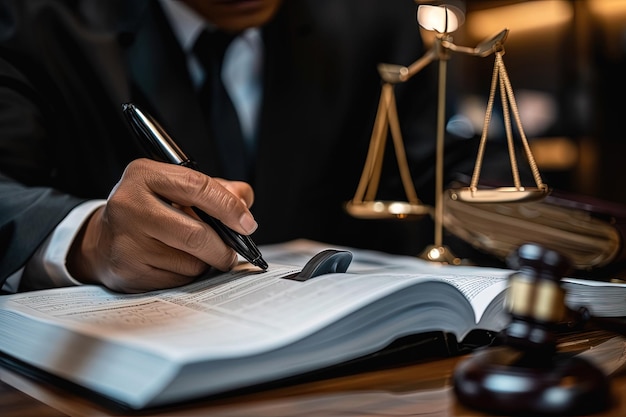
[246,327]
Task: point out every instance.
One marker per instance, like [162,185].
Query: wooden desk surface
[422,388]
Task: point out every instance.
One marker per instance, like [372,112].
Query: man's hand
[147,237]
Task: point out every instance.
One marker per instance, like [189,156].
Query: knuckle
[226,201]
[137,166]
[195,238]
[118,203]
[192,267]
[197,182]
[204,187]
[209,250]
[226,260]
[231,204]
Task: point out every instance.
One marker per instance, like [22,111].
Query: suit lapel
[161,83]
[294,101]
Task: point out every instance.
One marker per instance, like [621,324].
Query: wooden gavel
[522,372]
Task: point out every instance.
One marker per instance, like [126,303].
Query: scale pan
[387,210]
[498,195]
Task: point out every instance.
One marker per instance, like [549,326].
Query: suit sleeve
[27,216]
[29,208]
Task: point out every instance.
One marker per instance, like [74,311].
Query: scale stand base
[441,254]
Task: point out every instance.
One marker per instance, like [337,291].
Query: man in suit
[77,202]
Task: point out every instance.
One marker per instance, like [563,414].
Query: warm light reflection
[608,9]
[555,152]
[538,113]
[442,19]
[378,207]
[435,254]
[525,16]
[442,255]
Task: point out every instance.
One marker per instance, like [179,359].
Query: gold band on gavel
[539,299]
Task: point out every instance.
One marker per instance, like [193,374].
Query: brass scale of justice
[534,363]
[364,204]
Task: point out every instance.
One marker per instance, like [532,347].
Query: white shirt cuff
[47,267]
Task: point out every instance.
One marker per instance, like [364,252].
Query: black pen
[164,147]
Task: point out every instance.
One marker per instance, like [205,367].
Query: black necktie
[224,123]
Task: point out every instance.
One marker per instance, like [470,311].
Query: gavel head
[535,298]
[525,374]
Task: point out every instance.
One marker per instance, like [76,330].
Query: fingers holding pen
[146,237]
[227,201]
[213,204]
[176,226]
[240,189]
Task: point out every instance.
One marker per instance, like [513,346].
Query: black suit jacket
[66,67]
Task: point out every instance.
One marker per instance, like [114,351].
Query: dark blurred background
[566,60]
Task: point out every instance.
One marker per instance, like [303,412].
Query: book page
[480,285]
[602,298]
[237,313]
